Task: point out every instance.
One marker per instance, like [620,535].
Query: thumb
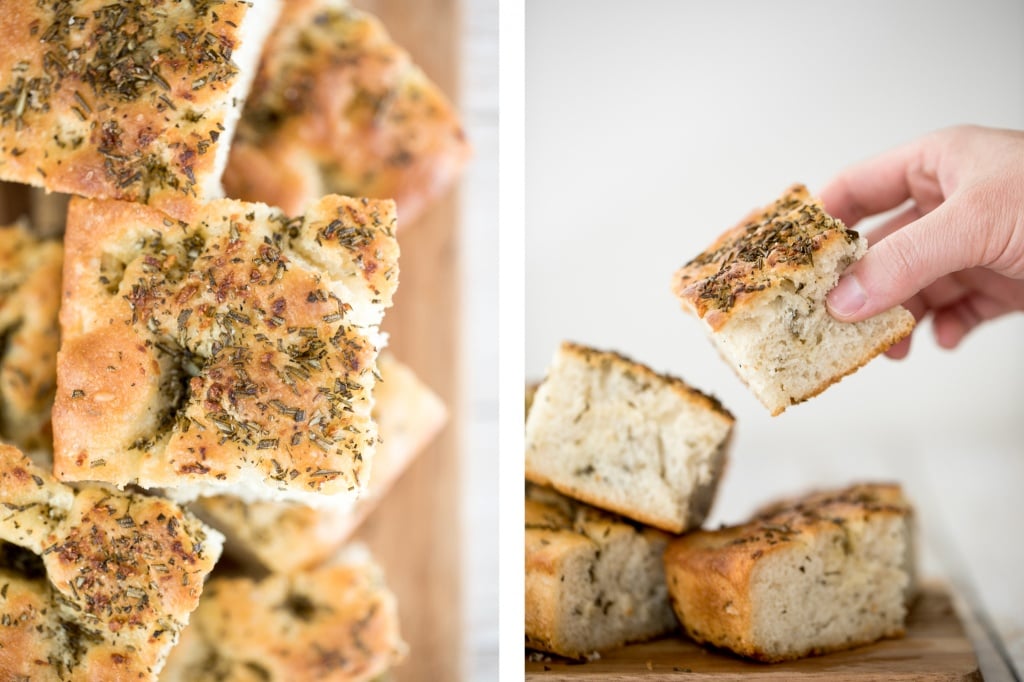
[904,263]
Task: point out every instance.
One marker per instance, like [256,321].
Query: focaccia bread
[134,101]
[338,107]
[95,584]
[594,581]
[285,537]
[613,433]
[231,352]
[337,623]
[30,277]
[830,571]
[760,289]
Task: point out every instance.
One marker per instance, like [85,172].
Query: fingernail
[847,297]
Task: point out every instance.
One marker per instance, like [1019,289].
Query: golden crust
[338,107]
[122,101]
[30,272]
[285,536]
[709,572]
[231,350]
[604,361]
[600,359]
[335,624]
[758,255]
[559,530]
[108,585]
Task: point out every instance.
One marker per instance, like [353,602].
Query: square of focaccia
[231,351]
[336,623]
[828,571]
[288,536]
[594,580]
[760,290]
[95,584]
[30,272]
[132,100]
[338,107]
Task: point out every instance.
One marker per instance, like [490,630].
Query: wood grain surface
[934,649]
[415,531]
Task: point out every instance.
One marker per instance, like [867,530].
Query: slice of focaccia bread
[594,581]
[287,536]
[829,571]
[760,290]
[233,351]
[30,277]
[95,584]
[611,432]
[338,107]
[336,623]
[132,100]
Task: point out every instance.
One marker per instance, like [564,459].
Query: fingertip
[839,202]
[899,350]
[949,329]
[846,299]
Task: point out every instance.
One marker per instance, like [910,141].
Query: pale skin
[955,250]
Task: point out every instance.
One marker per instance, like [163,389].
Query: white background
[479,255]
[653,126]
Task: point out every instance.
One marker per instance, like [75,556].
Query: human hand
[956,251]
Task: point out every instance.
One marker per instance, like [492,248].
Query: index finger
[872,186]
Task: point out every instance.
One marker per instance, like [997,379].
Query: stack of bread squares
[622,465]
[182,368]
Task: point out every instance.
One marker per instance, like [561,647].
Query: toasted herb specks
[264,364]
[114,80]
[787,233]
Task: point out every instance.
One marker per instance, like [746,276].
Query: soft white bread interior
[760,290]
[830,571]
[611,432]
[594,581]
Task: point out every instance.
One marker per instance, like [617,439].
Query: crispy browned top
[30,272]
[785,523]
[550,514]
[758,253]
[117,576]
[338,107]
[122,100]
[336,624]
[235,344]
[285,536]
[642,374]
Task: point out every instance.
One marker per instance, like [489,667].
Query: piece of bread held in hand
[615,434]
[829,571]
[594,581]
[760,289]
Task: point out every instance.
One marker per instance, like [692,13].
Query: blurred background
[652,127]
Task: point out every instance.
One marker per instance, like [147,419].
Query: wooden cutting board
[415,531]
[934,649]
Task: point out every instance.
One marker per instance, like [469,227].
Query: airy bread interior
[785,344]
[847,586]
[604,576]
[614,434]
